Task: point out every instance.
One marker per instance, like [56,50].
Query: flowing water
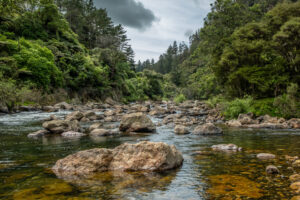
[25,165]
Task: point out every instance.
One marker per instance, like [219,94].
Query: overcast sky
[152,25]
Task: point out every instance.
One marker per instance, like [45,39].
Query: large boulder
[143,156]
[208,129]
[60,126]
[136,122]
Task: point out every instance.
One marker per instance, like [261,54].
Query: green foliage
[289,103]
[233,108]
[10,93]
[179,99]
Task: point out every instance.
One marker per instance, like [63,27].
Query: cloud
[130,13]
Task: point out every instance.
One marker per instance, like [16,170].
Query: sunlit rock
[265,156]
[136,122]
[207,129]
[148,156]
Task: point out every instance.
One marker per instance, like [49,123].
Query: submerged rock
[296,198]
[208,129]
[181,130]
[60,126]
[296,163]
[136,122]
[37,134]
[71,134]
[233,187]
[148,156]
[265,156]
[271,169]
[226,147]
[104,132]
[295,187]
[294,178]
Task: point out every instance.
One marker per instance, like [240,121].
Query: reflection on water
[25,165]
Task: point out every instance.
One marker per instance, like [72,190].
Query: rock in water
[271,169]
[77,115]
[37,134]
[60,126]
[152,156]
[207,129]
[71,134]
[265,156]
[226,147]
[136,122]
[148,156]
[181,130]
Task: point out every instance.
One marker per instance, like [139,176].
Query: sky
[152,25]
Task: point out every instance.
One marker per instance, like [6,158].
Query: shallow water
[25,165]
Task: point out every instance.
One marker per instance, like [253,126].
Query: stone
[63,105]
[52,117]
[143,156]
[295,187]
[136,122]
[181,130]
[207,129]
[49,109]
[295,198]
[109,113]
[296,163]
[27,108]
[265,156]
[234,123]
[246,118]
[271,169]
[90,115]
[60,126]
[84,119]
[291,158]
[226,147]
[37,134]
[294,123]
[77,115]
[104,132]
[71,134]
[95,126]
[294,178]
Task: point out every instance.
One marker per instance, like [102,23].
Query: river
[25,165]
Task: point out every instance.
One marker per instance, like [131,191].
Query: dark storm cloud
[128,12]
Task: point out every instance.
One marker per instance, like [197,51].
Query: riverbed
[25,164]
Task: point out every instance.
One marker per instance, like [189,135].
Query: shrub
[179,99]
[234,108]
[288,104]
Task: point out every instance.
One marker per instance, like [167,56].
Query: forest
[245,57]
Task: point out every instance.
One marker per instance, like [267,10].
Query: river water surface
[25,165]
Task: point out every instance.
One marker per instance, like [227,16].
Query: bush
[234,108]
[288,104]
[179,99]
